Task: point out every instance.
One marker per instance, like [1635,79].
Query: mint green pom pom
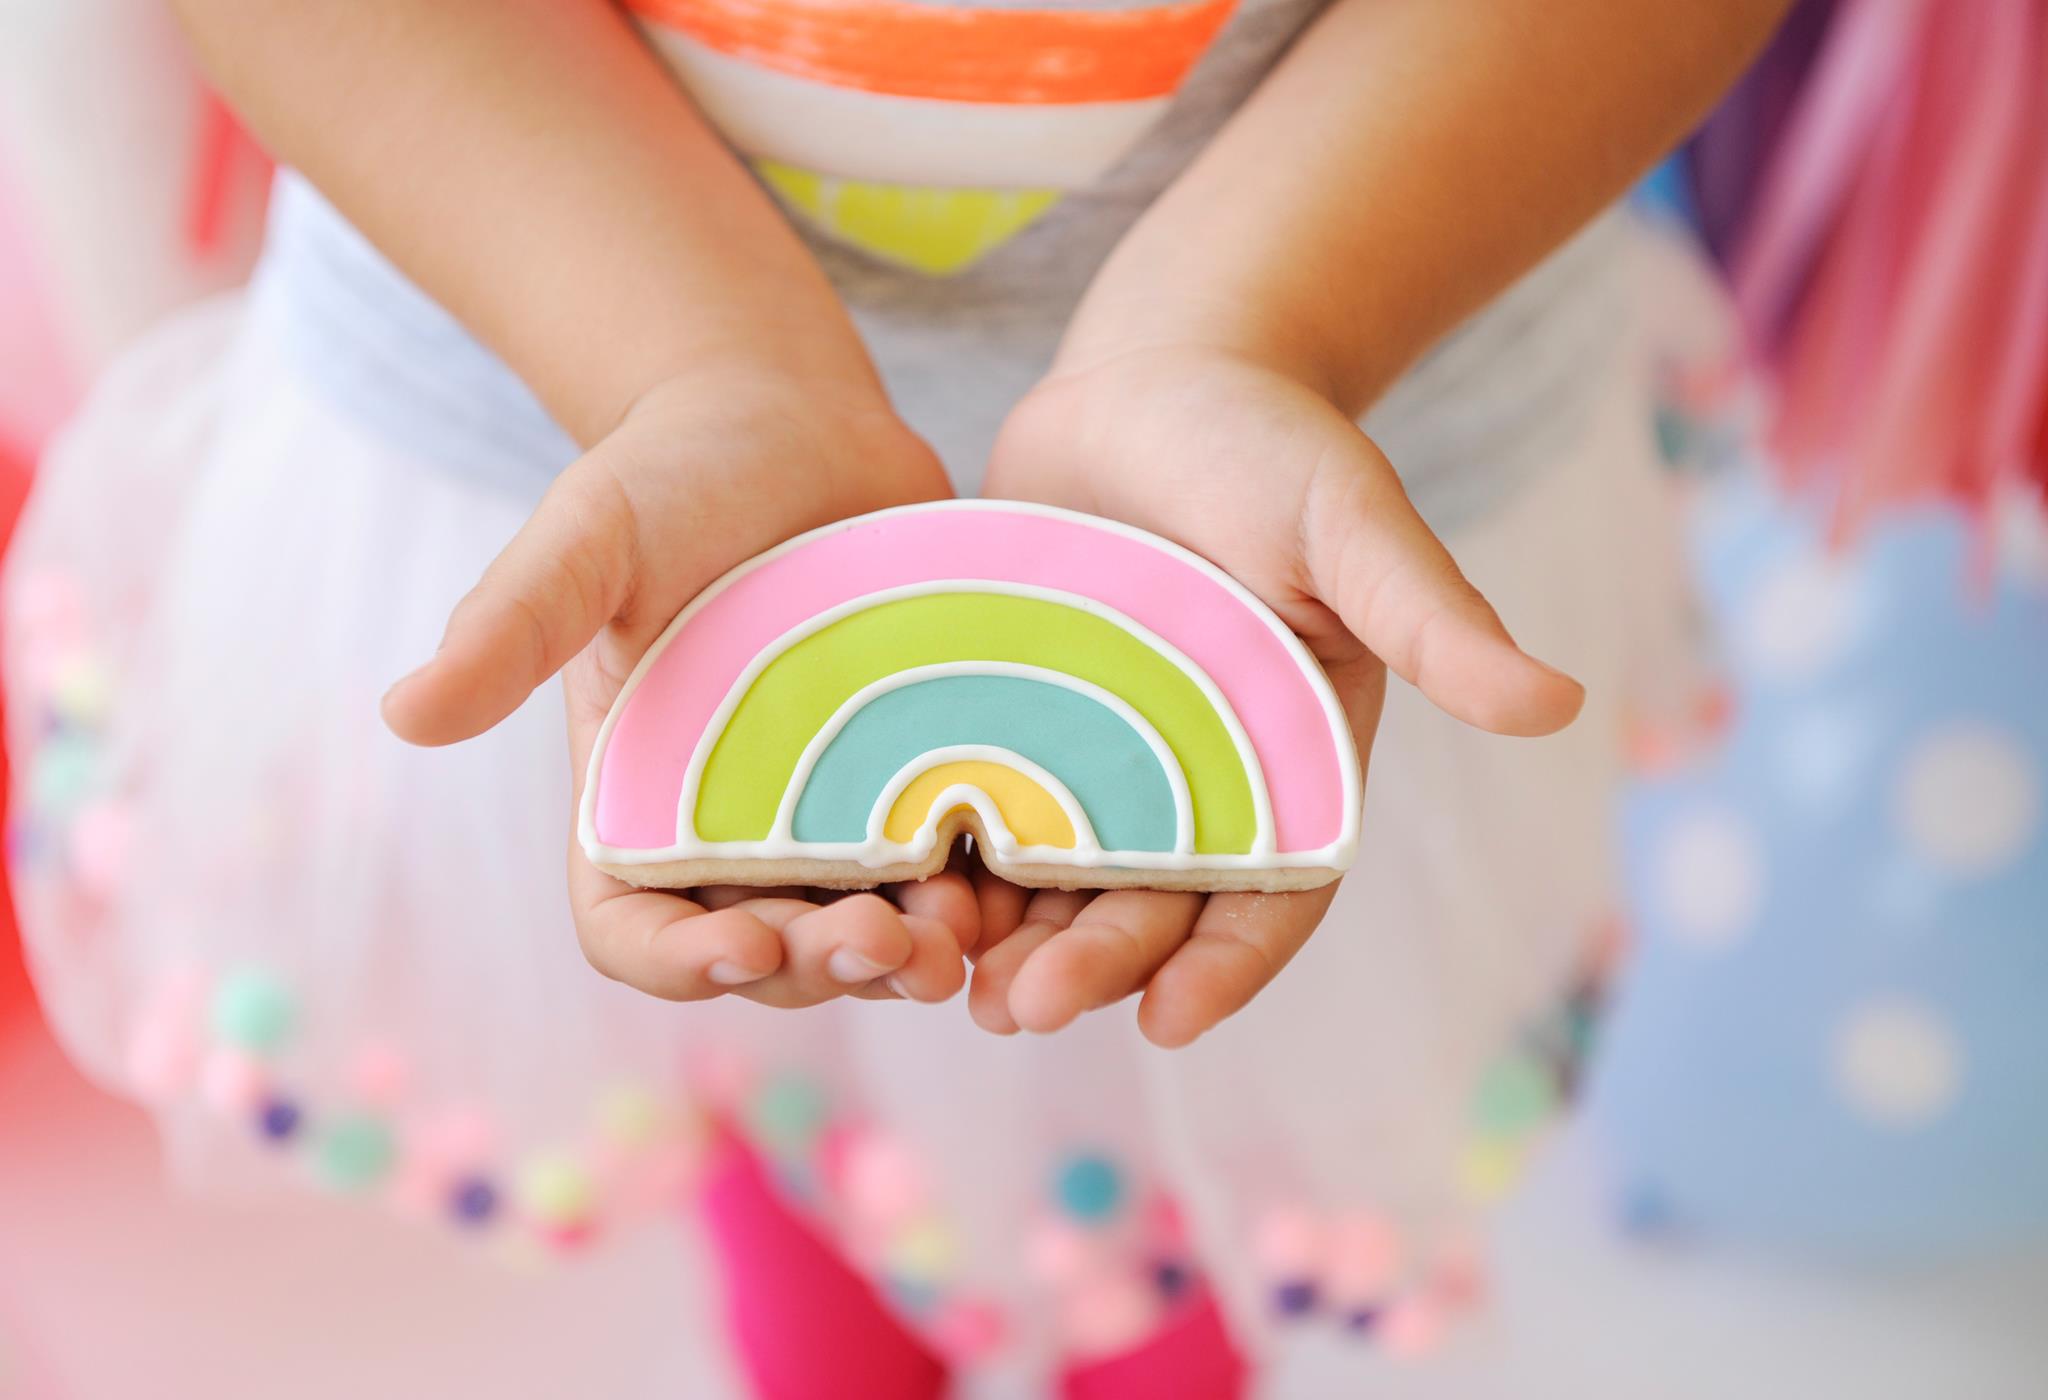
[1516,1096]
[787,1114]
[63,774]
[353,1153]
[252,1011]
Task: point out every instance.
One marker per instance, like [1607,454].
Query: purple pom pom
[278,1119]
[1361,1320]
[1296,1298]
[473,1200]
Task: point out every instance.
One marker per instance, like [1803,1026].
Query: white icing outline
[1176,780]
[984,803]
[1336,855]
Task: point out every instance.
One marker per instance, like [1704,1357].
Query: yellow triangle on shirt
[931,229]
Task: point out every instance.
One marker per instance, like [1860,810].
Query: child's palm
[1265,478]
[695,480]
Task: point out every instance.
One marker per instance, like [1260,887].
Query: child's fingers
[1383,571]
[934,972]
[947,898]
[563,576]
[665,945]
[1239,944]
[833,949]
[1045,913]
[1110,950]
[725,896]
[1001,907]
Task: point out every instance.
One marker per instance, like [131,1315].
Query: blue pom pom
[913,1295]
[1643,1212]
[1089,1187]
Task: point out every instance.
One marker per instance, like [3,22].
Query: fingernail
[895,984]
[728,974]
[850,969]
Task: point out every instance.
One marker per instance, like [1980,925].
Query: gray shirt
[1481,412]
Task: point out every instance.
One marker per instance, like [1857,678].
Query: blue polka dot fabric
[1834,1027]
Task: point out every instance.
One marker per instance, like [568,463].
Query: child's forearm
[1406,162]
[534,169]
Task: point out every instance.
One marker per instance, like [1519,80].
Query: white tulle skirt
[333,963]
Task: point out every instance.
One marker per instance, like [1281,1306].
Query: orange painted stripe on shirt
[957,53]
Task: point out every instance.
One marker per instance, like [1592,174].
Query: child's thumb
[1393,584]
[562,577]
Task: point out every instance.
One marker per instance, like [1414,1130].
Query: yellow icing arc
[1034,816]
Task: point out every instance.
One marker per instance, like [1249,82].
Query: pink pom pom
[232,1083]
[1110,1316]
[568,1239]
[1412,1328]
[882,1181]
[1364,1257]
[1287,1244]
[835,1147]
[417,1189]
[461,1137]
[377,1077]
[49,608]
[1460,1280]
[658,1178]
[102,835]
[1165,1226]
[1058,1253]
[968,1331]
[43,660]
[164,1055]
[162,1061]
[722,1079]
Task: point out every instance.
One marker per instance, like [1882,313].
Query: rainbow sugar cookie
[1097,706]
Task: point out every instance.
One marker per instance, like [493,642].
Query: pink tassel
[1859,72]
[2016,426]
[1928,393]
[1895,278]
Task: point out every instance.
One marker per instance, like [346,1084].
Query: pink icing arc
[641,774]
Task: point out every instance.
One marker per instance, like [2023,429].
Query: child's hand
[700,475]
[1268,479]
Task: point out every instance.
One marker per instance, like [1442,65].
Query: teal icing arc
[1105,763]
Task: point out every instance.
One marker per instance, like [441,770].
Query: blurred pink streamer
[2017,429]
[1862,67]
[1894,279]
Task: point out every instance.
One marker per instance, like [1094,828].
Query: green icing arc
[796,694]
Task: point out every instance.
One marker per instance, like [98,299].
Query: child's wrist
[1114,326]
[841,441]
[849,393]
[798,351]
